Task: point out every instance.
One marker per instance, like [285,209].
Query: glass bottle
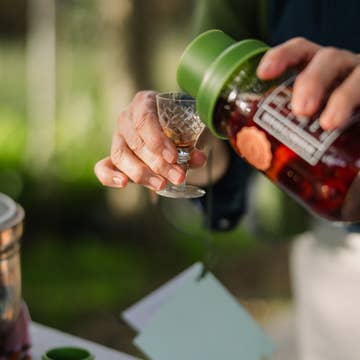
[14,317]
[318,168]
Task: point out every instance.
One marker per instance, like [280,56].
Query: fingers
[146,125]
[327,67]
[289,54]
[324,69]
[108,175]
[151,145]
[342,102]
[141,152]
[125,160]
[139,127]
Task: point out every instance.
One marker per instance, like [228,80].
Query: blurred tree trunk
[128,35]
[141,31]
[41,82]
[118,79]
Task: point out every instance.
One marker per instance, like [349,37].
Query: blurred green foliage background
[67,68]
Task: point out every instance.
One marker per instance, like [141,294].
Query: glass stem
[183,161]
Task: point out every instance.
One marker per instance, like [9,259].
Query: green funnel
[208,63]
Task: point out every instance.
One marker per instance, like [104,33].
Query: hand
[327,72]
[140,151]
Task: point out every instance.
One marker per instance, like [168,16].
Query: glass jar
[14,319]
[318,168]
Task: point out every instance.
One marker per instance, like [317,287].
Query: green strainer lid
[208,63]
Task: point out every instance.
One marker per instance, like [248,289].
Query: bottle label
[301,134]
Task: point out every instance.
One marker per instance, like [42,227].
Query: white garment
[326,281]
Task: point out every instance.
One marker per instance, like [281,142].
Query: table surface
[44,338]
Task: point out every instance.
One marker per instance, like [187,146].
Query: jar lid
[208,63]
[11,214]
[62,353]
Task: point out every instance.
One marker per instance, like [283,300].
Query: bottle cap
[208,63]
[68,353]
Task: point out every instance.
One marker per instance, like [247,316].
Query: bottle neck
[241,92]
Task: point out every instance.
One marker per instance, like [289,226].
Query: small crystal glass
[180,123]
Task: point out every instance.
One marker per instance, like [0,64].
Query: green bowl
[67,353]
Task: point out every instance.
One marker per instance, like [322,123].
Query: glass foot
[182,192]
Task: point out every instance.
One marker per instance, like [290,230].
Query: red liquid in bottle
[330,188]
